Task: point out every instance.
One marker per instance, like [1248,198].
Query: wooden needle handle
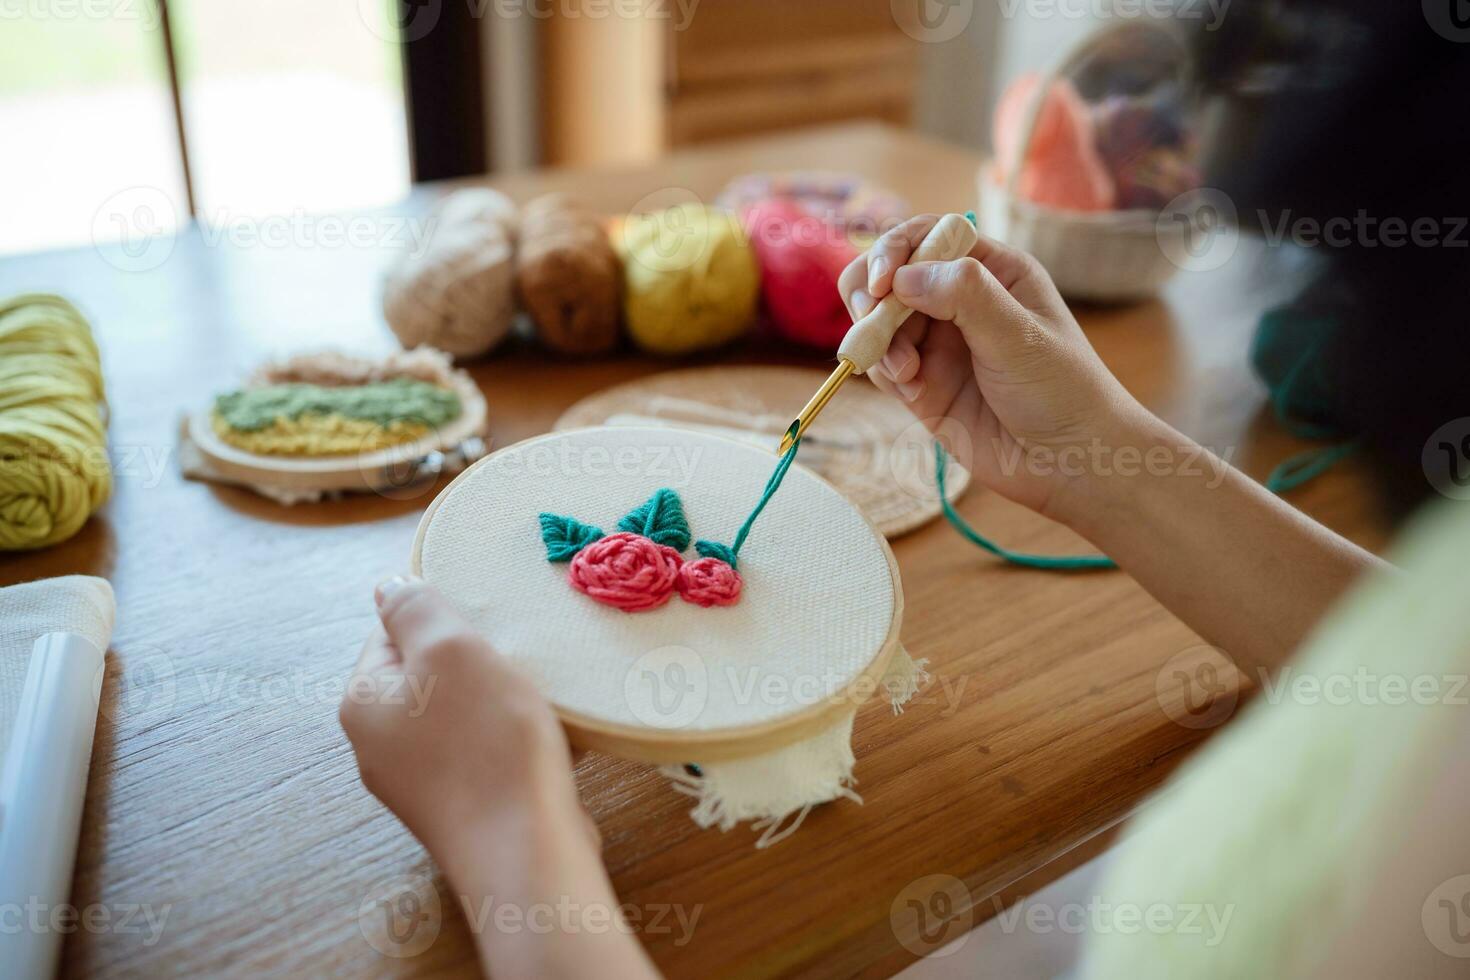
[868,339]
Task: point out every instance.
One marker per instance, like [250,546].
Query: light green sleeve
[1261,840]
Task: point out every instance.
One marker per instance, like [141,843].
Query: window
[217,108]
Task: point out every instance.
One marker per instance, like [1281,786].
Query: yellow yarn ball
[691,280]
[53,441]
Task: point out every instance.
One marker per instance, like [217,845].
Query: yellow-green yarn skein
[691,280]
[53,442]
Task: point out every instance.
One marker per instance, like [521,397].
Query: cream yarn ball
[456,290]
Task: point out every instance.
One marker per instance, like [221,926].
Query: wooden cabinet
[621,89]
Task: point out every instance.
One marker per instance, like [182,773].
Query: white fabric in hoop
[816,607]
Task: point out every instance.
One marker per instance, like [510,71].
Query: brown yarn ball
[568,276]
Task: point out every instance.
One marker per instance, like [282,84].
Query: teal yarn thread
[1296,470]
[1054,563]
[713,549]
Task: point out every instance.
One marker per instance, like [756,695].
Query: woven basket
[1107,256]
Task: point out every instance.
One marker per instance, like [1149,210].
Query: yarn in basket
[1062,167]
[690,280]
[456,291]
[1148,148]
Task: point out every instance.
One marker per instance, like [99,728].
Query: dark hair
[1359,107]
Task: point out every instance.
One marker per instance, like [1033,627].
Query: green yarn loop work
[380,402]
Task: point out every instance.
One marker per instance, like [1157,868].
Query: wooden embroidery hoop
[664,746]
[362,471]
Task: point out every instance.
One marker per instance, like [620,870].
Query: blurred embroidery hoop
[647,743]
[868,446]
[395,466]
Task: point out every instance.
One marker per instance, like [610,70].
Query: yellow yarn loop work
[53,442]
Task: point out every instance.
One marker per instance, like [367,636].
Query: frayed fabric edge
[904,678]
[777,790]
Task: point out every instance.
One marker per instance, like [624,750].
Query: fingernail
[908,279]
[894,362]
[911,391]
[386,589]
[862,302]
[876,268]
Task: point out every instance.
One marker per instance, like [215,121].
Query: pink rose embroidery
[640,566]
[626,571]
[709,582]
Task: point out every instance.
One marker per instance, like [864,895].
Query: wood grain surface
[223,793]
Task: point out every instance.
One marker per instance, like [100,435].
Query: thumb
[967,294]
[419,621]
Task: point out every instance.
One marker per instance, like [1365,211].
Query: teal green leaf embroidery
[619,580]
[661,519]
[713,549]
[565,536]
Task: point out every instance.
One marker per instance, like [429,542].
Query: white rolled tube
[43,782]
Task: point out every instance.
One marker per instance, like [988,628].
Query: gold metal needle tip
[818,402]
[789,438]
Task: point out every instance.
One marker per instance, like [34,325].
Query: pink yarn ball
[800,258]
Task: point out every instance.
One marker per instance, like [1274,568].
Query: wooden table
[223,791]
